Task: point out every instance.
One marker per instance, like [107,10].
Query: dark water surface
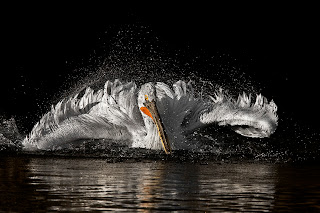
[32,184]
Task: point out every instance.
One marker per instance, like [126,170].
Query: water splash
[136,53]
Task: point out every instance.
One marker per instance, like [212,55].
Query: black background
[278,45]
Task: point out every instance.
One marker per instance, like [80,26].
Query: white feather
[113,113]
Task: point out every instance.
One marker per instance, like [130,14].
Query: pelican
[154,116]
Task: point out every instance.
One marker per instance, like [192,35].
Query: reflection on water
[49,184]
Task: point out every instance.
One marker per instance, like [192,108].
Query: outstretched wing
[107,113]
[251,119]
[182,112]
[258,119]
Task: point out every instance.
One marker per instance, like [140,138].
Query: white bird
[121,112]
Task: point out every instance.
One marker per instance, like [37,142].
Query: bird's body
[114,113]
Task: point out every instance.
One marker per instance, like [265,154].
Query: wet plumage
[113,112]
